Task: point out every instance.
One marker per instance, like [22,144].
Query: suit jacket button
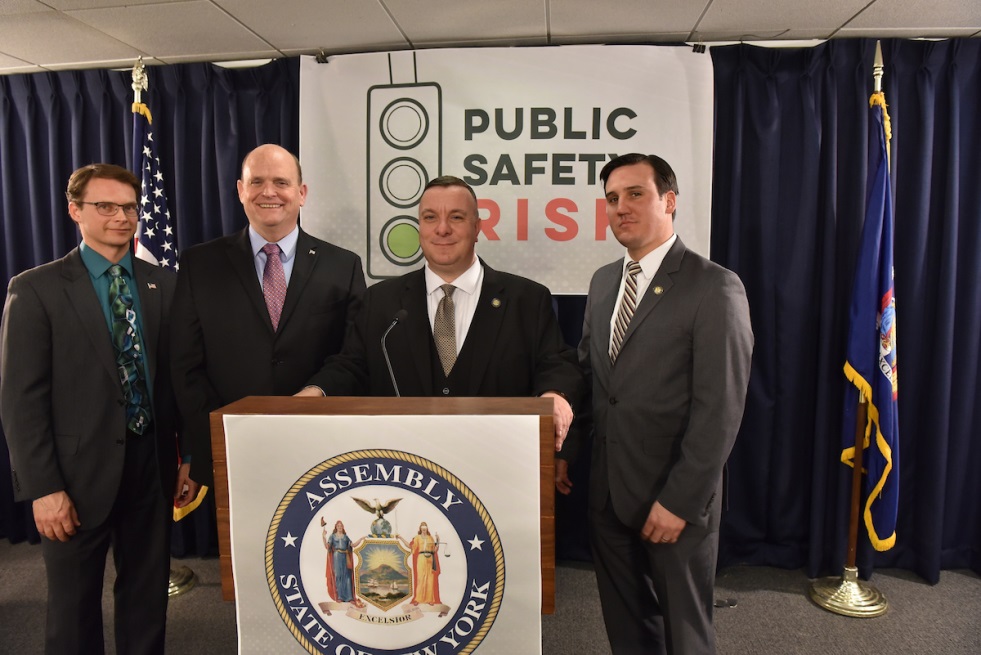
[613,400]
[446,391]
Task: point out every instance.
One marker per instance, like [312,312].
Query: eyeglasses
[110,208]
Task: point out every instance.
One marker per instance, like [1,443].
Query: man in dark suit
[667,345]
[249,323]
[87,406]
[502,338]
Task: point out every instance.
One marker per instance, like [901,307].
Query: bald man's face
[271,192]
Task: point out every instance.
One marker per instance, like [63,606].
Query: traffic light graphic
[405,151]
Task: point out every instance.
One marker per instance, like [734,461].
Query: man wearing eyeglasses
[88,411]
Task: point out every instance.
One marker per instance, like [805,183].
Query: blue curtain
[205,120]
[787,211]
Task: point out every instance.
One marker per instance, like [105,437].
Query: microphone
[400,315]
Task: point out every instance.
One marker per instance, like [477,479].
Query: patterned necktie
[129,351]
[274,283]
[627,306]
[444,329]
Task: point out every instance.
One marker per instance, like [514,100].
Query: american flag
[156,241]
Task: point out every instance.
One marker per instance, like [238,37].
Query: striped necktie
[627,306]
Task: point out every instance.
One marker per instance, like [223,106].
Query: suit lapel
[603,306]
[304,262]
[660,285]
[147,282]
[81,296]
[240,260]
[485,326]
[417,329]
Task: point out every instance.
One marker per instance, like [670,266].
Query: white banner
[385,535]
[529,128]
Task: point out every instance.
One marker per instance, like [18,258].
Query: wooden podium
[289,406]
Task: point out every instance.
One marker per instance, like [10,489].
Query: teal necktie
[129,352]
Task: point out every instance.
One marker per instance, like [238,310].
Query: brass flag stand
[848,595]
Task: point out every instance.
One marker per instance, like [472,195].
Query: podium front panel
[385,534]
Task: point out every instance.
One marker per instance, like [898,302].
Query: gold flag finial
[139,81]
[877,68]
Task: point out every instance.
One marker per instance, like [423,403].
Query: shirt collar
[97,265]
[650,262]
[287,244]
[467,282]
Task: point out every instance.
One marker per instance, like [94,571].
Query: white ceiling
[38,35]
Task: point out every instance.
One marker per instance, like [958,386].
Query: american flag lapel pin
[151,285]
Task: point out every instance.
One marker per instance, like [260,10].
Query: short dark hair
[448,181]
[79,180]
[664,178]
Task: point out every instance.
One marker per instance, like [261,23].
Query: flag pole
[847,595]
[182,578]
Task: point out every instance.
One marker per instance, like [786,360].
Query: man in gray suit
[667,345]
[88,411]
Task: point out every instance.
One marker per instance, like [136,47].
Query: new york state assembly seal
[382,552]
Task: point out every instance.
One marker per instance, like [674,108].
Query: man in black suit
[247,323]
[666,344]
[503,338]
[87,406]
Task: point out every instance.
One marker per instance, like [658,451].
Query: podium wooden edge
[346,406]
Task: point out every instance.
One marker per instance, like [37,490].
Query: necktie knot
[633,269]
[448,290]
[115,270]
[272,249]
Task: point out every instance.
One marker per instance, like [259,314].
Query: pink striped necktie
[274,283]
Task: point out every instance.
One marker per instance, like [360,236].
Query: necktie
[444,329]
[273,283]
[129,351]
[627,306]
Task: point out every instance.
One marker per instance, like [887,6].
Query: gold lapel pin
[658,290]
[496,303]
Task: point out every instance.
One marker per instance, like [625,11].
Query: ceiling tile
[65,5]
[311,25]
[12,7]
[902,14]
[13,65]
[430,22]
[762,19]
[635,18]
[176,31]
[65,41]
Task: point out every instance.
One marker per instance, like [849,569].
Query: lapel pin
[151,285]
[658,290]
[312,252]
[496,303]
